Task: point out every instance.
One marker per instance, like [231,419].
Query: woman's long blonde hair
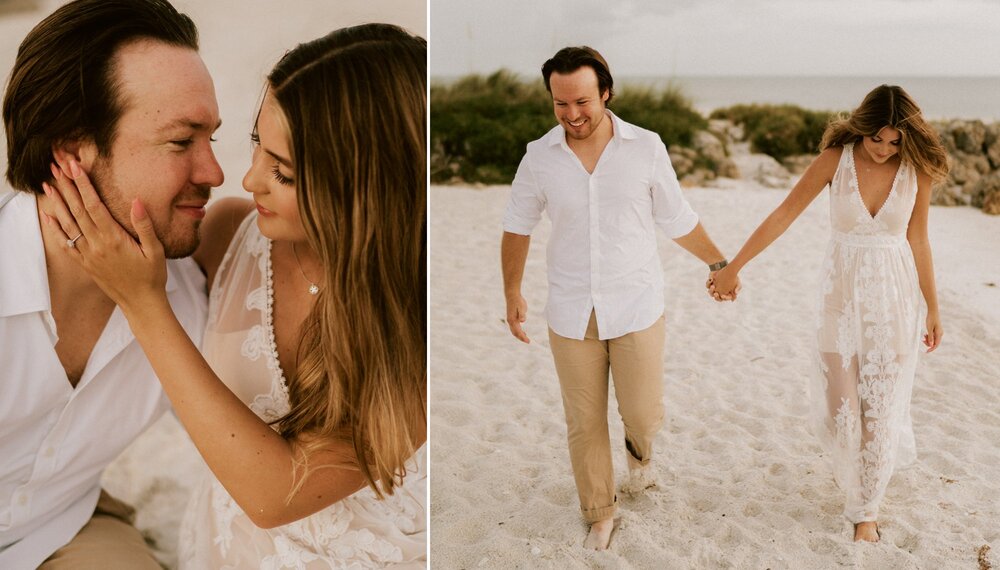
[890,106]
[355,105]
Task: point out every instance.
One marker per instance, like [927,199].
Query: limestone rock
[797,164]
[991,204]
[967,168]
[728,169]
[969,135]
[992,144]
[985,193]
[682,160]
[945,194]
[727,131]
[709,147]
[762,168]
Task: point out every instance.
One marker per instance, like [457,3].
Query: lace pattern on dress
[870,297]
[359,531]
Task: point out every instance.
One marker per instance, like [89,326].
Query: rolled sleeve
[524,209]
[671,211]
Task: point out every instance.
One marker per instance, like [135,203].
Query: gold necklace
[313,288]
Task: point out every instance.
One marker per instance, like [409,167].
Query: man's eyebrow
[287,163]
[187,123]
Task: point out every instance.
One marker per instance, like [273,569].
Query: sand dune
[743,484]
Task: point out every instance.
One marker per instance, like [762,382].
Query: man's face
[162,153]
[578,102]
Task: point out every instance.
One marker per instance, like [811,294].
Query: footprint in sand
[822,545]
[560,495]
[752,509]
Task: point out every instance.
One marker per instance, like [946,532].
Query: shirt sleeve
[671,211]
[524,209]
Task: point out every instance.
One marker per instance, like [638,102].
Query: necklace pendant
[313,289]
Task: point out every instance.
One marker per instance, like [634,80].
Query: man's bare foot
[867,531]
[600,535]
[640,477]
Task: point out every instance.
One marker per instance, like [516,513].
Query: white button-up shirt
[602,253]
[56,440]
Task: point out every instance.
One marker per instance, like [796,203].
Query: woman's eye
[281,178]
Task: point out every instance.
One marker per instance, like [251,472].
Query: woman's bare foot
[600,535]
[867,531]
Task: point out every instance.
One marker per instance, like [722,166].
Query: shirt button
[22,500]
[49,452]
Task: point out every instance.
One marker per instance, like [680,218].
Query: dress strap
[844,166]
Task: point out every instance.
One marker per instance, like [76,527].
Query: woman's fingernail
[45,187]
[54,169]
[74,168]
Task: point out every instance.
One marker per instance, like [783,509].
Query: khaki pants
[108,540]
[636,364]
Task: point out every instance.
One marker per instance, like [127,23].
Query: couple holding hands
[607,185]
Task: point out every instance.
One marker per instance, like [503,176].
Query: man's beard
[175,244]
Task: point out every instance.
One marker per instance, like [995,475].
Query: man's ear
[605,95]
[82,151]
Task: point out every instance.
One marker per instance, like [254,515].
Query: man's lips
[193,209]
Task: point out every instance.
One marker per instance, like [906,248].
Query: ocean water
[938,97]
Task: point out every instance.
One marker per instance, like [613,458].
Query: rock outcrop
[973,180]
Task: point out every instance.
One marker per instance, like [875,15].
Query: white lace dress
[870,325]
[357,532]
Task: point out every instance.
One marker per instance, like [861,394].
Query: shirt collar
[24,280]
[622,130]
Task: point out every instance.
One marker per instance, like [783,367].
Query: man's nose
[207,170]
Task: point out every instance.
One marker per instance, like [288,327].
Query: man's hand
[517,312]
[724,284]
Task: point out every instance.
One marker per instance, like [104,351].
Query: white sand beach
[742,482]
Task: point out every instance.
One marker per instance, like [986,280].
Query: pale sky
[723,37]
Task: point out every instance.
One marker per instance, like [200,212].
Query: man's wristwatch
[718,265]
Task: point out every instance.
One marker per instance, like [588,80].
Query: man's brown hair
[569,59]
[63,85]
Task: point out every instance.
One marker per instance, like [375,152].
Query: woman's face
[271,177]
[884,145]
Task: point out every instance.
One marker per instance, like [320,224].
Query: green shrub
[778,130]
[480,126]
[669,114]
